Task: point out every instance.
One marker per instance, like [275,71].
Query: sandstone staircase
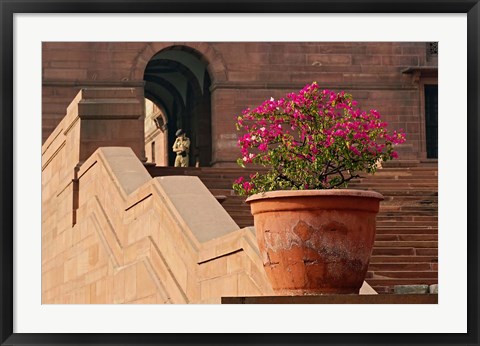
[406,244]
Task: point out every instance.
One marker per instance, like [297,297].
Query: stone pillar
[111,117]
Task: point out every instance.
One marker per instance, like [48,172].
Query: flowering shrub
[313,139]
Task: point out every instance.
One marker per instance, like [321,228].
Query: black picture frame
[10,7]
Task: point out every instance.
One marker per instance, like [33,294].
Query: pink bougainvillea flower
[312,139]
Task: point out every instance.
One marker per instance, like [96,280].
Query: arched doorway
[177,81]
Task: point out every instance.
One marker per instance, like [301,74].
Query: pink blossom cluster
[246,185]
[308,136]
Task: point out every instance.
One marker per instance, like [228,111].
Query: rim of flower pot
[312,193]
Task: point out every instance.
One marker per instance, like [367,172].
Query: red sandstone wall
[245,74]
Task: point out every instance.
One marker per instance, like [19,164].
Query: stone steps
[426,252]
[404,274]
[400,281]
[392,193]
[385,285]
[406,230]
[384,223]
[381,177]
[402,266]
[406,237]
[243,213]
[401,181]
[406,244]
[403,243]
[414,209]
[403,259]
[404,251]
[383,216]
[377,179]
[397,198]
[419,205]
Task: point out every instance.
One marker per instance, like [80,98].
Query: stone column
[111,117]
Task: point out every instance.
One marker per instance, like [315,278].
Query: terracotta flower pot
[315,241]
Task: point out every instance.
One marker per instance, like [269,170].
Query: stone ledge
[411,289]
[337,299]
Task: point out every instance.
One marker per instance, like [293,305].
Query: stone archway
[215,64]
[177,79]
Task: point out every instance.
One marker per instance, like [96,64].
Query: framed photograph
[125,228]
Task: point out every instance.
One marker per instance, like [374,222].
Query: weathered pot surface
[315,241]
